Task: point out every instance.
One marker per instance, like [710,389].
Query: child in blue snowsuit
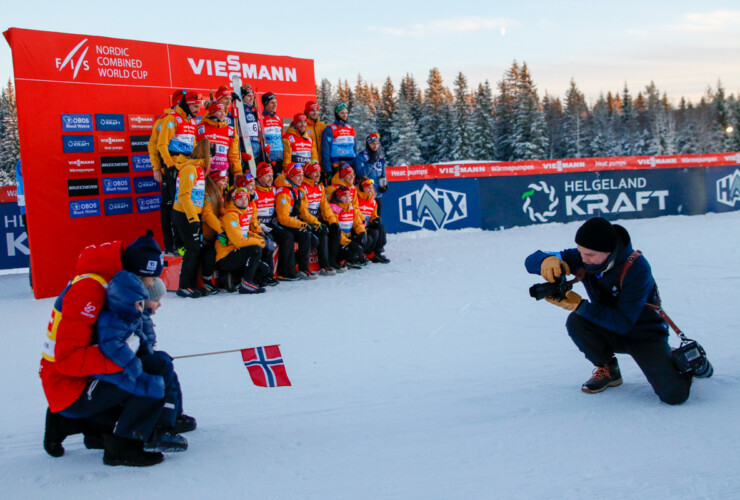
[126,336]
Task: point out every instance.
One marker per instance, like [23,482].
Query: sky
[685,47]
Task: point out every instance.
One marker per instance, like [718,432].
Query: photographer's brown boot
[603,377]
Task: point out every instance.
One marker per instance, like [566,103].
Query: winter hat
[298,117]
[247,89]
[342,191]
[339,107]
[597,234]
[157,290]
[311,106]
[239,193]
[374,137]
[365,183]
[223,91]
[143,257]
[218,175]
[263,169]
[345,171]
[215,106]
[311,167]
[177,96]
[192,98]
[267,97]
[244,180]
[293,170]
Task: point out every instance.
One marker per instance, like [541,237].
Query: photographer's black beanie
[597,234]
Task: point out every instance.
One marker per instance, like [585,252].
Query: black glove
[375,224]
[382,185]
[195,230]
[360,238]
[334,225]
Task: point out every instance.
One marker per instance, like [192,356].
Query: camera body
[691,359]
[555,290]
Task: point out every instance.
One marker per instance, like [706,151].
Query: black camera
[555,290]
[691,359]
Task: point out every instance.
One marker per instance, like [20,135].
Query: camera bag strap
[655,307]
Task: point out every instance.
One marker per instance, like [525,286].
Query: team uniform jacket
[265,204]
[211,221]
[120,333]
[297,148]
[272,131]
[314,131]
[291,208]
[176,136]
[69,356]
[317,202]
[337,144]
[371,166]
[620,310]
[368,207]
[191,189]
[349,219]
[253,129]
[337,181]
[152,146]
[242,228]
[226,143]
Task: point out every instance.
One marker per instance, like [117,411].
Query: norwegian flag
[265,366]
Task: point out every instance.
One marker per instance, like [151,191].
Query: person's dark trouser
[351,253]
[377,235]
[243,260]
[379,201]
[286,253]
[137,418]
[322,250]
[335,244]
[169,176]
[209,257]
[303,238]
[160,363]
[652,356]
[191,259]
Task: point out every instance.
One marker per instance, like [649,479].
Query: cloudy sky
[683,46]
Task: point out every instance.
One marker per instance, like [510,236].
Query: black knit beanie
[597,234]
[143,257]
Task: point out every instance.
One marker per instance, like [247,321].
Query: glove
[317,226]
[570,303]
[374,223]
[267,148]
[195,229]
[270,244]
[334,225]
[550,268]
[246,156]
[360,238]
[223,239]
[303,226]
[382,184]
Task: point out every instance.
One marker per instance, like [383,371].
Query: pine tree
[410,93]
[9,145]
[364,123]
[627,125]
[603,141]
[529,139]
[504,114]
[484,139]
[575,123]
[345,95]
[435,120]
[405,142]
[326,100]
[462,126]
[552,109]
[384,113]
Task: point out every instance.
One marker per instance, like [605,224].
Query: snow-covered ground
[434,377]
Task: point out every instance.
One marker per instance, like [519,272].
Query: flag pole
[207,353]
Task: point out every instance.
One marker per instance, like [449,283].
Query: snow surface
[434,377]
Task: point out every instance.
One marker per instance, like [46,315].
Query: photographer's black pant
[192,243]
[653,356]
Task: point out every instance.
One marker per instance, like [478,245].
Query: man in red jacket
[70,356]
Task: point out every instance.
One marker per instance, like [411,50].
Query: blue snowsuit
[371,164]
[617,319]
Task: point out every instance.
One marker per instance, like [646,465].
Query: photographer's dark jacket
[622,311]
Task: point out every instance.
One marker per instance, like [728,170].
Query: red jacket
[69,358]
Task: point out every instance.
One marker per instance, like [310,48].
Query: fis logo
[542,194]
[74,60]
[438,206]
[728,189]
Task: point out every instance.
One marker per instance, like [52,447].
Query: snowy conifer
[9,145]
[405,142]
[462,128]
[484,137]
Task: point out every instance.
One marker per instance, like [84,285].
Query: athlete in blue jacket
[615,318]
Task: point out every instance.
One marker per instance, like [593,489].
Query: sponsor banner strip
[495,169]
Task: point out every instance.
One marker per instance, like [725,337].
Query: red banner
[86,105]
[538,167]
[8,194]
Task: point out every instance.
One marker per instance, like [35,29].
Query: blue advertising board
[723,189]
[14,252]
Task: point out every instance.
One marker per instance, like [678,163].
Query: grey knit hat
[157,290]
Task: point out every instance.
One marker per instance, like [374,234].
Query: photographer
[616,318]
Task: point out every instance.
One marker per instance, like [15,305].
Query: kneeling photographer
[622,314]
